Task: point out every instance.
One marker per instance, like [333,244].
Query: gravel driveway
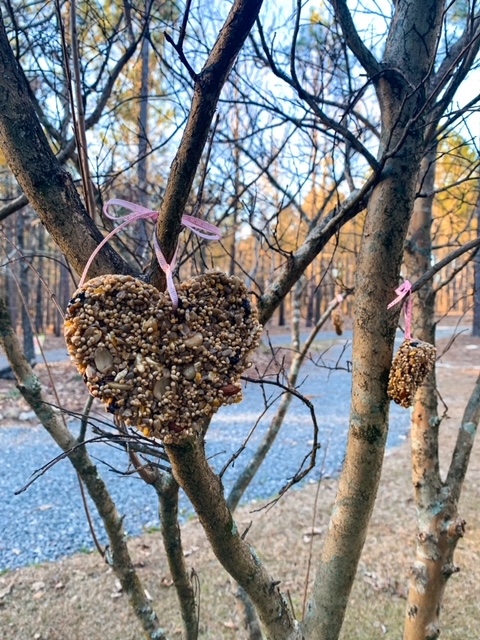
[47,521]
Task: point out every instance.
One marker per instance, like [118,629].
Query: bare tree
[380,162]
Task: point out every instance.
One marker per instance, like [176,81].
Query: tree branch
[47,186]
[313,102]
[13,206]
[208,86]
[473,244]
[354,42]
[167,491]
[464,444]
[316,240]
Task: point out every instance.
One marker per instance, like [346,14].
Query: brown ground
[78,598]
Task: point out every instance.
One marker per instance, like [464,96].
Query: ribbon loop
[201,228]
[405,289]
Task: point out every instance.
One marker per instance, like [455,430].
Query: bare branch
[48,187]
[207,90]
[181,54]
[473,244]
[167,491]
[13,206]
[354,42]
[314,243]
[313,102]
[464,444]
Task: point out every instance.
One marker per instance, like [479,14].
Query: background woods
[335,147]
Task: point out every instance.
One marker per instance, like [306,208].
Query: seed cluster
[162,371]
[411,365]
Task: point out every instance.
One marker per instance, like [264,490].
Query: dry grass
[78,598]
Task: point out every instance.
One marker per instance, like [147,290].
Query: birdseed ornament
[162,362]
[337,321]
[412,362]
[161,370]
[411,365]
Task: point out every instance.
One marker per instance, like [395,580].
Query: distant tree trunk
[476,287]
[281,314]
[11,288]
[296,313]
[233,246]
[318,304]
[63,292]
[39,300]
[236,191]
[27,329]
[310,306]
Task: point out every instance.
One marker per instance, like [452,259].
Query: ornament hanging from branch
[413,361]
[163,362]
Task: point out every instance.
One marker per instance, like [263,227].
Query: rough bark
[410,50]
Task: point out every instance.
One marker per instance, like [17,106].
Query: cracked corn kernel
[411,365]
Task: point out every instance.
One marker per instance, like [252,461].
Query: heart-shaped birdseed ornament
[411,365]
[162,371]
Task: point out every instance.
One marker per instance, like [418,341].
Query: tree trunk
[412,36]
[11,288]
[424,594]
[39,298]
[27,329]
[281,313]
[310,305]
[476,286]
[318,303]
[439,524]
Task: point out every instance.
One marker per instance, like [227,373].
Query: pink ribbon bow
[405,289]
[199,227]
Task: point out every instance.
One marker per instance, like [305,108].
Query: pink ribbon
[405,289]
[199,227]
